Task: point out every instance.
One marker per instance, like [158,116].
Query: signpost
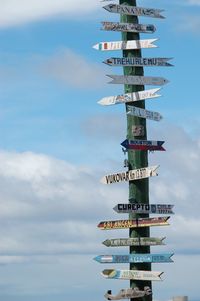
[128,27]
[136,241]
[138,62]
[134,258]
[125,45]
[129,97]
[130,175]
[139,172]
[142,113]
[144,208]
[137,80]
[143,145]
[130,293]
[132,274]
[135,223]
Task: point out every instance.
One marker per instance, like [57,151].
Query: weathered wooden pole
[138,190]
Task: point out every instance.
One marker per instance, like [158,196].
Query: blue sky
[57,142]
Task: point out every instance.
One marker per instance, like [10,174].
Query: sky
[57,142]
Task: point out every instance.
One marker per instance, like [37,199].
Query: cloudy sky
[57,142]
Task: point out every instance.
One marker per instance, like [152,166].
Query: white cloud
[49,210]
[55,206]
[189,23]
[64,66]
[74,70]
[15,12]
[194,2]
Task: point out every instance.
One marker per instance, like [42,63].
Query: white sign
[144,208]
[128,27]
[131,175]
[129,97]
[125,45]
[130,293]
[137,80]
[138,62]
[134,11]
[138,112]
[132,274]
[137,241]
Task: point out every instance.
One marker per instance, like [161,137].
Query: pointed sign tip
[102,181]
[96,46]
[97,258]
[106,62]
[161,273]
[106,243]
[166,81]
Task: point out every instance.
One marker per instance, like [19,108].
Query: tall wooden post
[138,190]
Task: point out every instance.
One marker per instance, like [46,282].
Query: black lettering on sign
[120,207]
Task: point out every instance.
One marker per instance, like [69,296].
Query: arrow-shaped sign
[132,274]
[128,27]
[138,62]
[144,208]
[134,11]
[137,80]
[135,223]
[135,258]
[131,175]
[125,45]
[129,97]
[142,113]
[143,145]
[130,293]
[137,241]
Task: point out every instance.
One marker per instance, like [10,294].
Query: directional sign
[128,27]
[142,113]
[137,241]
[144,208]
[129,97]
[143,145]
[124,45]
[135,258]
[138,62]
[134,11]
[129,293]
[137,80]
[135,223]
[132,274]
[131,175]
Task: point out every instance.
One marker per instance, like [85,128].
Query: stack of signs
[140,209]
